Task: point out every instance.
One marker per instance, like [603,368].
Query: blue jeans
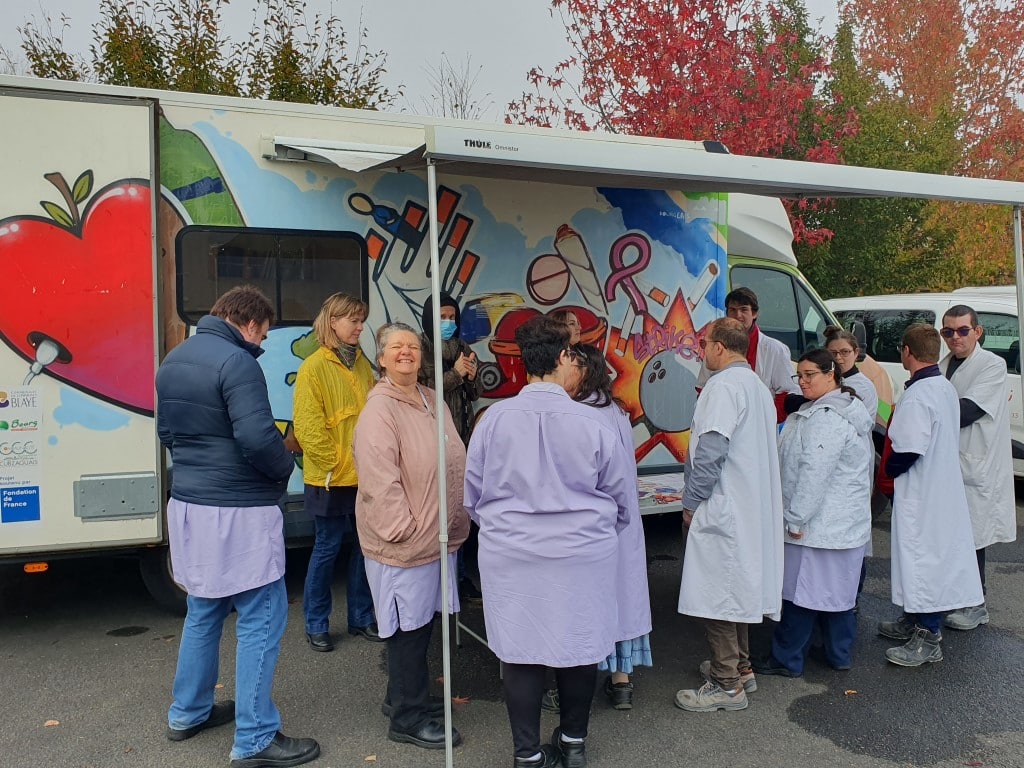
[316,597]
[262,615]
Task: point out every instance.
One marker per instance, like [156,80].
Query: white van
[885,318]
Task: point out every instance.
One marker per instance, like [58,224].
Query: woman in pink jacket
[398,520]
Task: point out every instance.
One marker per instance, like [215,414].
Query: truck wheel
[155,566]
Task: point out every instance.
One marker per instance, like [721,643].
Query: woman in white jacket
[825,452]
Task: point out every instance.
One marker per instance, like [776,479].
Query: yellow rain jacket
[328,399]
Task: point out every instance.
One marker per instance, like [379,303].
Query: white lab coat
[933,564]
[732,569]
[773,365]
[985,458]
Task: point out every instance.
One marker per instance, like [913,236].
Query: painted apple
[86,282]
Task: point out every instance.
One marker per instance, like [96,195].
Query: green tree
[181,45]
[893,244]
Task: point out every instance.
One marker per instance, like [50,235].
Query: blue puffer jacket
[213,413]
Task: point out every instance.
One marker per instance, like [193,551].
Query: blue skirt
[629,654]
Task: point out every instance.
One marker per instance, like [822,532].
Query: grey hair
[385,331]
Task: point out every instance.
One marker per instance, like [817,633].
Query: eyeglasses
[809,375]
[962,331]
[577,356]
[842,352]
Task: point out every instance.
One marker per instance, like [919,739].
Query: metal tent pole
[1018,256]
[442,490]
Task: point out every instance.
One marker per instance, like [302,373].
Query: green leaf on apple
[83,187]
[57,213]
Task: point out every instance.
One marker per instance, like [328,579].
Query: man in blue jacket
[231,467]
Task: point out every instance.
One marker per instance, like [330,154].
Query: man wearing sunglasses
[979,377]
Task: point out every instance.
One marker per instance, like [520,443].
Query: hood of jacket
[847,406]
[385,388]
[427,319]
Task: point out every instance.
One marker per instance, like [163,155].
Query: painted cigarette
[659,296]
[625,331]
[704,283]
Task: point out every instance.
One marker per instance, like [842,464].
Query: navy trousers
[792,636]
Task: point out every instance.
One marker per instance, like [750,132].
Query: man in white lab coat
[979,377]
[732,569]
[770,358]
[933,564]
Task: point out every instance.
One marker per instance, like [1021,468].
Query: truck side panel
[79,458]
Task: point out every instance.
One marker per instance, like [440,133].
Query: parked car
[885,318]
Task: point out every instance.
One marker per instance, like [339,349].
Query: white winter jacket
[825,454]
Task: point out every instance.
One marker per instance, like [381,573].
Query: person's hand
[687,518]
[290,442]
[466,366]
[797,535]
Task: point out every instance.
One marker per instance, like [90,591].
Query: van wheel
[155,567]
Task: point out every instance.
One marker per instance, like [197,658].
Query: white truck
[126,212]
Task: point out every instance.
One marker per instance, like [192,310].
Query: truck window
[297,270]
[884,329]
[812,321]
[778,315]
[1002,337]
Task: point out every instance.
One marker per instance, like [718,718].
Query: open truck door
[80,464]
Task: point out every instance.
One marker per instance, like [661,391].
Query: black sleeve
[969,412]
[793,402]
[898,463]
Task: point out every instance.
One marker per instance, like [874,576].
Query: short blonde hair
[338,305]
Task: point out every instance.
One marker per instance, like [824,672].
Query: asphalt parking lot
[87,660]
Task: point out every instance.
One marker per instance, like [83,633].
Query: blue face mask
[447,329]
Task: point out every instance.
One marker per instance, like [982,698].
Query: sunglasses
[962,331]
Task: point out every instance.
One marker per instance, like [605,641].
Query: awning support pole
[442,490]
[1018,257]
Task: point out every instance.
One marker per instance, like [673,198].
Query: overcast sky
[502,38]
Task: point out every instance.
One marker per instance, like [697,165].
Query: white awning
[604,160]
[346,155]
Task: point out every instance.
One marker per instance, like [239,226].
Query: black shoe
[549,758]
[369,632]
[221,713]
[573,755]
[619,694]
[320,641]
[429,735]
[282,752]
[468,591]
[817,653]
[772,666]
[435,707]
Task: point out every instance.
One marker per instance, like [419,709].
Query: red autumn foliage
[742,72]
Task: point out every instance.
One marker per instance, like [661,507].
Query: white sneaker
[967,618]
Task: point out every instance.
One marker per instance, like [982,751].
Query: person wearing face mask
[461,390]
[330,391]
[458,362]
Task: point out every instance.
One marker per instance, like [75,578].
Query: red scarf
[755,336]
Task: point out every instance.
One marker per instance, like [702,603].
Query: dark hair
[242,305]
[541,341]
[427,319]
[835,333]
[923,342]
[960,310]
[825,363]
[743,297]
[596,383]
[730,334]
